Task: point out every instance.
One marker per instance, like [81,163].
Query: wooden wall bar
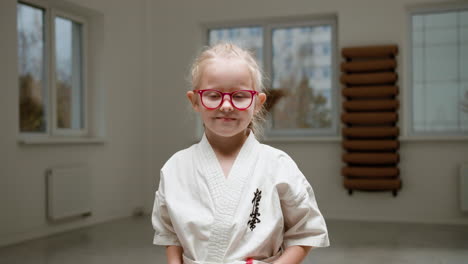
[370,119]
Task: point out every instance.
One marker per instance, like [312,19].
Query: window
[299,56]
[439,72]
[31,69]
[51,71]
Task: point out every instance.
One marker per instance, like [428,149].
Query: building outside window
[299,58]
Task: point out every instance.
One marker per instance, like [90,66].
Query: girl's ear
[261,100]
[192,97]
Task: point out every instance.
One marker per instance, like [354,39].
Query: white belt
[263,261]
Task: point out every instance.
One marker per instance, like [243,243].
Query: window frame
[51,11]
[65,131]
[268,25]
[409,132]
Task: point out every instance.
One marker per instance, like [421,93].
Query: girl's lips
[226,118]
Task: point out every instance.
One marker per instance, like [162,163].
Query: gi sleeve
[164,231]
[304,224]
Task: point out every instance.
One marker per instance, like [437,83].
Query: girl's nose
[226,104]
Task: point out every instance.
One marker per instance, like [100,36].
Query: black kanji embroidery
[255,214]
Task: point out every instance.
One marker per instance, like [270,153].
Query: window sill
[29,140]
[432,138]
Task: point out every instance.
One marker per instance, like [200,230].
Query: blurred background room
[94,103]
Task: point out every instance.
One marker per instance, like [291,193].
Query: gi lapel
[225,192]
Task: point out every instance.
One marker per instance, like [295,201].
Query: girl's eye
[211,95]
[241,95]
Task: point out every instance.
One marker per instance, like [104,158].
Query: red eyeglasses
[213,99]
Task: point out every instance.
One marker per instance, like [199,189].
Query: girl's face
[226,75]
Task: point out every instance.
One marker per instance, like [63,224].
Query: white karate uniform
[264,205]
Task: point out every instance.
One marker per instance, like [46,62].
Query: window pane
[441,63]
[418,38]
[441,20]
[418,22]
[419,106]
[464,62]
[68,73]
[435,109]
[31,69]
[302,73]
[464,35]
[250,38]
[464,105]
[439,72]
[418,62]
[464,18]
[442,36]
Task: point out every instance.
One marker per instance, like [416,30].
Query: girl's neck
[227,146]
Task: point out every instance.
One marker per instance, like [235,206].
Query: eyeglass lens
[240,99]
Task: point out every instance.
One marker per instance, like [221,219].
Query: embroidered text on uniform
[254,220]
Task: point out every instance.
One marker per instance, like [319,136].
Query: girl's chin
[226,132]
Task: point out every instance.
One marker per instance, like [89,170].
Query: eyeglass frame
[201,91]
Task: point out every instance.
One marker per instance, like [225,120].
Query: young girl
[230,199]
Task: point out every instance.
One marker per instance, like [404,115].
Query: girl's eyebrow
[232,90]
[229,89]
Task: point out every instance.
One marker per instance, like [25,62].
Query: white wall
[119,166]
[429,169]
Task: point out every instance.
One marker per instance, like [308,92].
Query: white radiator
[464,187]
[68,192]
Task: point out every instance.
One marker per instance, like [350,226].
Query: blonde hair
[229,50]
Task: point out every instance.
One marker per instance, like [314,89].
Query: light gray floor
[129,241]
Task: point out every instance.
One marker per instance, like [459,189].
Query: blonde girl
[230,199]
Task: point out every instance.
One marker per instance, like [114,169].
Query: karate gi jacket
[263,206]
